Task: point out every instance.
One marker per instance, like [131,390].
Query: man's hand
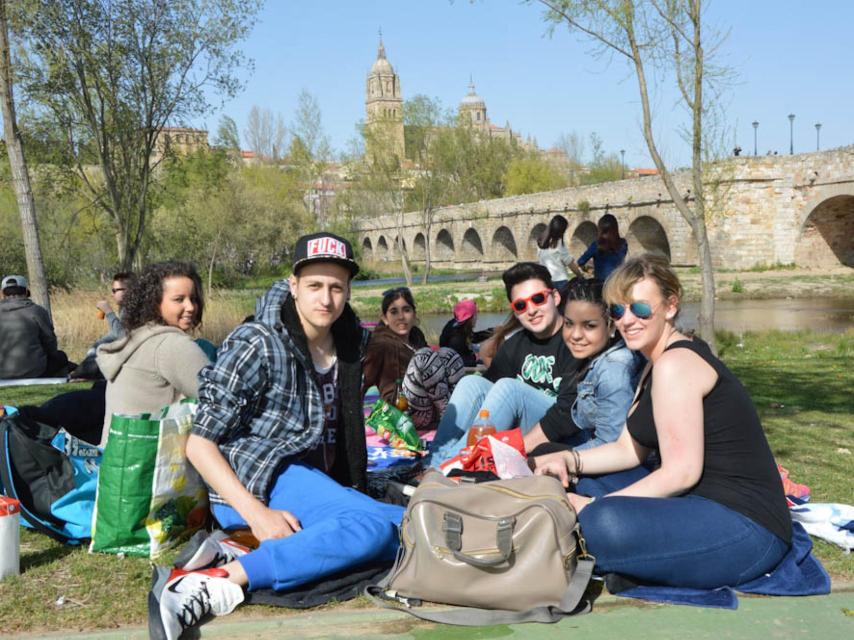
[269,523]
[104,307]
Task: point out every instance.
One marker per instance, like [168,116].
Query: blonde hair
[656,267]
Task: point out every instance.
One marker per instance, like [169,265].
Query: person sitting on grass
[594,397]
[88,368]
[531,362]
[279,439]
[713,513]
[157,362]
[398,356]
[459,334]
[28,345]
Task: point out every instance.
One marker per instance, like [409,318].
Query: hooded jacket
[27,340]
[261,401]
[387,357]
[150,368]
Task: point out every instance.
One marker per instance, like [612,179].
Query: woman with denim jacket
[595,395]
[595,390]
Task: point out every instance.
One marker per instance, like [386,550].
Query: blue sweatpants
[341,528]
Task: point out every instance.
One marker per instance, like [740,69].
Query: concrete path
[830,617]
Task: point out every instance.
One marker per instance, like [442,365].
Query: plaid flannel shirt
[259,402]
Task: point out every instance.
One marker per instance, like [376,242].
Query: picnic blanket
[799,574]
[21,382]
[381,456]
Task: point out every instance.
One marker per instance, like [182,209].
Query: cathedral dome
[472,99]
[381,65]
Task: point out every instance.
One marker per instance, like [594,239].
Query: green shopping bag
[149,496]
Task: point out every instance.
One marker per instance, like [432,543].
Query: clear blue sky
[790,57]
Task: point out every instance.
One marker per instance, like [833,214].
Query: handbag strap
[474,617]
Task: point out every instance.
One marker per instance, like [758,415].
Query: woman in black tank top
[713,513]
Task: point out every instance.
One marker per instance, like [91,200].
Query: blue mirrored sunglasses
[642,310]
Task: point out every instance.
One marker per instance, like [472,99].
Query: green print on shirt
[538,369]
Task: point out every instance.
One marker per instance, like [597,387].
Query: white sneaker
[184,599]
[208,551]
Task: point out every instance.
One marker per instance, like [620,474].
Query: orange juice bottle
[400,400]
[482,427]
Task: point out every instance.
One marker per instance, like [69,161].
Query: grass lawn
[801,384]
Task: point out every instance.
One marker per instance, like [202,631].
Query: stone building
[384,107]
[384,111]
[180,141]
[473,108]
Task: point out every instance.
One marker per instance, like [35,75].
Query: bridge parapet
[768,209]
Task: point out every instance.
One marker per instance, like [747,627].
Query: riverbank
[77,327]
[800,383]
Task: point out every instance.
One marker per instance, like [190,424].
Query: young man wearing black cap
[279,439]
[28,346]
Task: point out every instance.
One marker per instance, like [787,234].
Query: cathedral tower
[384,107]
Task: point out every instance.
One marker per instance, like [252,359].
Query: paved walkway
[830,617]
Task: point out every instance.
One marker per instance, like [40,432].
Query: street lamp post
[791,134]
[623,163]
[755,127]
[817,139]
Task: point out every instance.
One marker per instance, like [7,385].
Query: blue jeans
[341,528]
[511,403]
[685,541]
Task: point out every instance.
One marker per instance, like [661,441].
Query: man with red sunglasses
[532,361]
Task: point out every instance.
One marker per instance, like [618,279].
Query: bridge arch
[419,247]
[472,247]
[503,244]
[646,235]
[444,245]
[536,231]
[382,249]
[826,236]
[367,249]
[584,234]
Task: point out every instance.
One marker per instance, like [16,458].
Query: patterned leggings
[430,378]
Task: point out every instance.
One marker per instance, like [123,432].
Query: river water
[738,316]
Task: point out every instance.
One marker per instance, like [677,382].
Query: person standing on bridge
[553,254]
[608,251]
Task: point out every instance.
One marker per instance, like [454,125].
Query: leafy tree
[667,37]
[227,135]
[311,153]
[20,173]
[532,174]
[424,121]
[112,74]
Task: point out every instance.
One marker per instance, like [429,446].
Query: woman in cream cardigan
[157,362]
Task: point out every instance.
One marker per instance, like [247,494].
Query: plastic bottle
[482,427]
[400,400]
[101,315]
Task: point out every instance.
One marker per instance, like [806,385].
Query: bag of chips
[392,424]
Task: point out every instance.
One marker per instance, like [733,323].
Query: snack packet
[394,425]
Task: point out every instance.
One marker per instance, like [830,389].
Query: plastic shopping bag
[149,496]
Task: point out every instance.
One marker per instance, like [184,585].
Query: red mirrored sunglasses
[520,305]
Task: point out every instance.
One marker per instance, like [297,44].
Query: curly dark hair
[142,303]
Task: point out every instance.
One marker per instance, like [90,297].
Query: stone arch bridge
[762,210]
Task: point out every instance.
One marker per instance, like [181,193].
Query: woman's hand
[553,464]
[273,523]
[578,502]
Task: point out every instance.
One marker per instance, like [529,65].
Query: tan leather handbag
[501,552]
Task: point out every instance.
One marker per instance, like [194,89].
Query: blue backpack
[51,473]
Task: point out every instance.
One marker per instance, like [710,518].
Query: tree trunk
[401,247]
[427,258]
[20,174]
